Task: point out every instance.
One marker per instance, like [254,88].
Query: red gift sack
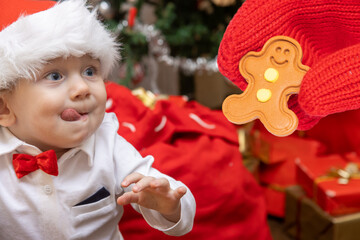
[199,147]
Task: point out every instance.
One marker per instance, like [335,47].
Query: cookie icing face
[281,53]
[272,74]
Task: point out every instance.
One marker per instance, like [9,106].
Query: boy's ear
[7,117]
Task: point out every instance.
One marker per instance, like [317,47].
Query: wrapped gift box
[326,180]
[251,163]
[277,168]
[305,220]
[272,149]
[274,179]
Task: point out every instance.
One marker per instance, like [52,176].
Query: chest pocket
[97,205]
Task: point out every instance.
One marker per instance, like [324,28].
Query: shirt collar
[9,143]
[87,147]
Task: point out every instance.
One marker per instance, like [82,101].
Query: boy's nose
[79,88]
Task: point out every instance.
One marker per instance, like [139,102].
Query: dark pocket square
[101,194]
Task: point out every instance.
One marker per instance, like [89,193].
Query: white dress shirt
[40,206]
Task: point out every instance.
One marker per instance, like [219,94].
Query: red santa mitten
[328,32]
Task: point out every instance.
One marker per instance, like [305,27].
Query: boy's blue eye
[89,72]
[54,76]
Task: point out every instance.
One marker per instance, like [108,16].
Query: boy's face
[63,107]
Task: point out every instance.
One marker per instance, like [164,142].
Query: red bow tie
[25,164]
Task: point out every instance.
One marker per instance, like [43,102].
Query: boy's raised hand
[153,193]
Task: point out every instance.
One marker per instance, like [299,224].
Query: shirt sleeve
[128,160]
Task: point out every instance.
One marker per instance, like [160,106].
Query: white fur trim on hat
[67,29]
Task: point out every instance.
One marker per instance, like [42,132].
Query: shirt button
[47,189]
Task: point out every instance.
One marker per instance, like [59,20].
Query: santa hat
[329,34]
[34,32]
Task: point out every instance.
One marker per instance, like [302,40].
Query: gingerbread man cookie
[273,74]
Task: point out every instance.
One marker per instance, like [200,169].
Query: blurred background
[170,46]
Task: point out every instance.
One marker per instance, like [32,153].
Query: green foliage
[136,44]
[191,30]
[135,47]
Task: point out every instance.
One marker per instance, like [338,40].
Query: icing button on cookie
[273,74]
[263,94]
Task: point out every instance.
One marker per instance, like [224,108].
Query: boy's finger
[131,178]
[143,183]
[127,198]
[180,192]
[160,183]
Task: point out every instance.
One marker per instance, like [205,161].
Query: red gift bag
[199,147]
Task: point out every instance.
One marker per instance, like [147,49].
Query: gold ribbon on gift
[274,186]
[147,97]
[245,140]
[343,176]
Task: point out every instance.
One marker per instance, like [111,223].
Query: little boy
[65,173]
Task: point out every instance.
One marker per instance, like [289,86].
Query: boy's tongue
[70,114]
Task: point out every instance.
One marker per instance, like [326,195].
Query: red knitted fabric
[328,32]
